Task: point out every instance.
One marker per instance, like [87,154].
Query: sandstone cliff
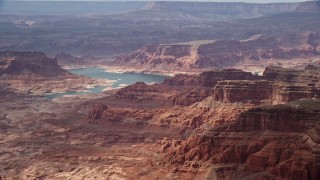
[276,86]
[182,89]
[210,78]
[222,53]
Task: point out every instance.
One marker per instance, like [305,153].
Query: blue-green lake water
[120,79]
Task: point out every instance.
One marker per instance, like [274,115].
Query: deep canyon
[159,90]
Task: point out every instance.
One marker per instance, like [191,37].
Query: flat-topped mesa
[35,73]
[262,92]
[218,54]
[259,47]
[210,78]
[29,63]
[276,86]
[173,56]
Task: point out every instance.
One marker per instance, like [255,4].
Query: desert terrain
[240,99]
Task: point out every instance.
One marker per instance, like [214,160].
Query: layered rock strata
[266,142]
[219,54]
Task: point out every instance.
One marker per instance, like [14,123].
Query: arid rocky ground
[244,102]
[222,124]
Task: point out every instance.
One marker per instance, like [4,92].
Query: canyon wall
[223,11]
[236,131]
[220,53]
[266,142]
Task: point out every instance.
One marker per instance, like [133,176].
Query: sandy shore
[170,73]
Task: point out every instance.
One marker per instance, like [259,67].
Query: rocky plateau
[256,52]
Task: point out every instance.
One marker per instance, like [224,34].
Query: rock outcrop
[276,86]
[29,63]
[243,91]
[263,91]
[210,78]
[182,89]
[97,110]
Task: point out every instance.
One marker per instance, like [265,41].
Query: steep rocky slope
[223,53]
[28,64]
[266,142]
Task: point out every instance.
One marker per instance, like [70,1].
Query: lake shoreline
[115,80]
